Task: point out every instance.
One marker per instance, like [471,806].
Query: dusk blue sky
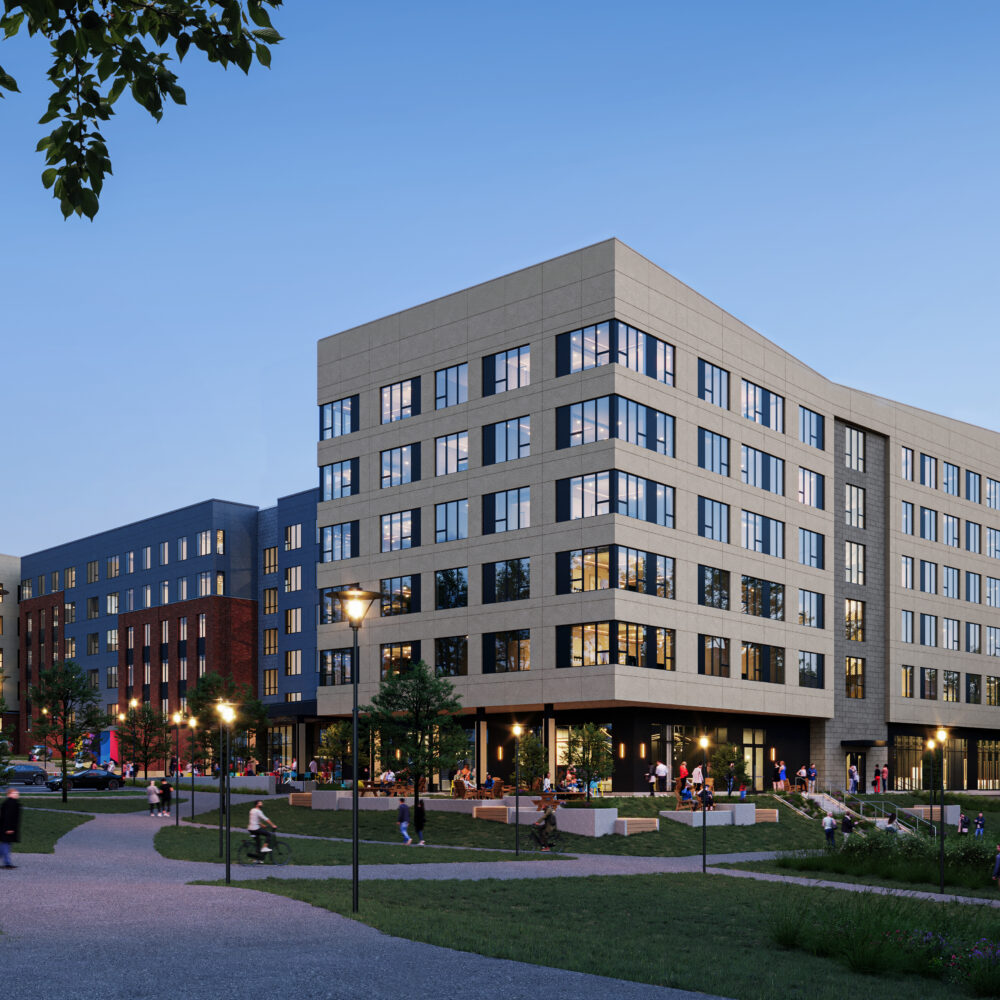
[825,172]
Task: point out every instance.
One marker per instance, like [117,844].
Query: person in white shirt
[661,776]
[696,778]
[256,828]
[547,783]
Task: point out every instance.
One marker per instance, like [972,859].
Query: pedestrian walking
[829,829]
[166,796]
[651,777]
[846,826]
[313,768]
[419,815]
[10,825]
[697,778]
[403,820]
[730,778]
[661,775]
[811,775]
[782,777]
[980,822]
[885,778]
[963,823]
[153,798]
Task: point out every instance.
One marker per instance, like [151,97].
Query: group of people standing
[159,797]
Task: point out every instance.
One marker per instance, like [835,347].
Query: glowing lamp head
[941,735]
[703,742]
[133,703]
[193,722]
[930,744]
[517,731]
[227,713]
[121,716]
[177,718]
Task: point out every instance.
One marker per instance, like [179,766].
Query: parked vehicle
[94,777]
[25,774]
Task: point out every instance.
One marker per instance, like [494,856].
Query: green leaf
[263,55]
[49,177]
[89,205]
[116,89]
[183,44]
[7,82]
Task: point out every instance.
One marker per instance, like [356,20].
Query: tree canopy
[588,749]
[418,714]
[68,712]
[144,735]
[100,48]
[212,688]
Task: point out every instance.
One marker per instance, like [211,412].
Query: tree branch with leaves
[100,48]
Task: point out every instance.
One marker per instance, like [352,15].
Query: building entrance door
[858,759]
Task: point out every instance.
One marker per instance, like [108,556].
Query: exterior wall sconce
[621,751]
[499,753]
[642,751]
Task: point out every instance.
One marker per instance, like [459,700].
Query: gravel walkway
[107,917]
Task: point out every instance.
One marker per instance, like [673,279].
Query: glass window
[334,667]
[992,493]
[973,486]
[974,689]
[972,536]
[451,386]
[906,572]
[854,620]
[293,537]
[338,418]
[928,577]
[507,580]
[763,598]
[928,630]
[507,510]
[590,347]
[949,530]
[590,495]
[507,370]
[811,489]
[992,641]
[928,683]
[811,548]
[589,569]
[928,471]
[451,520]
[451,588]
[397,596]
[397,531]
[854,506]
[906,519]
[855,676]
[763,406]
[811,430]
[451,453]
[906,626]
[854,449]
[713,519]
[713,656]
[973,638]
[338,480]
[506,652]
[950,582]
[854,563]
[511,439]
[949,633]
[928,524]
[972,585]
[400,400]
[713,384]
[763,534]
[338,541]
[331,610]
[758,468]
[811,612]
[397,658]
[590,421]
[713,452]
[810,669]
[992,592]
[906,463]
[270,559]
[949,478]
[400,465]
[451,656]
[713,587]
[763,663]
[906,677]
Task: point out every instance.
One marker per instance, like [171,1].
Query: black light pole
[355,604]
[227,713]
[704,811]
[222,792]
[192,722]
[177,769]
[517,790]
[942,735]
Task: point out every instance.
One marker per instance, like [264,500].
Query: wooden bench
[766,815]
[496,814]
[626,826]
[301,799]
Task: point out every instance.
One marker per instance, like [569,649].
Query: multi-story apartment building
[10,573]
[585,492]
[148,608]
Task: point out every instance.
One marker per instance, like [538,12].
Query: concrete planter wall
[690,818]
[743,813]
[585,822]
[263,783]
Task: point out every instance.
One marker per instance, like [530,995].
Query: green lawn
[89,804]
[792,832]
[187,844]
[711,934]
[41,830]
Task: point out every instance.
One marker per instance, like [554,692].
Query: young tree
[335,743]
[101,47]
[145,736]
[720,758]
[589,751]
[533,757]
[418,714]
[68,711]
[210,691]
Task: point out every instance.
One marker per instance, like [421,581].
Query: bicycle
[280,853]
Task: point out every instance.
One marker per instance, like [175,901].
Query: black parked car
[95,777]
[25,774]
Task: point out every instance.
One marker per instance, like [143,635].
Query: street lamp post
[227,714]
[177,769]
[355,604]
[942,735]
[193,723]
[703,743]
[517,790]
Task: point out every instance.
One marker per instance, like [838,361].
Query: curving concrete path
[107,917]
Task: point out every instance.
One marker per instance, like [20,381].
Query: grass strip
[89,805]
[189,844]
[461,830]
[40,830]
[692,932]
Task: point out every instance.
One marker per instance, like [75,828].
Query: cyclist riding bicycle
[256,829]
